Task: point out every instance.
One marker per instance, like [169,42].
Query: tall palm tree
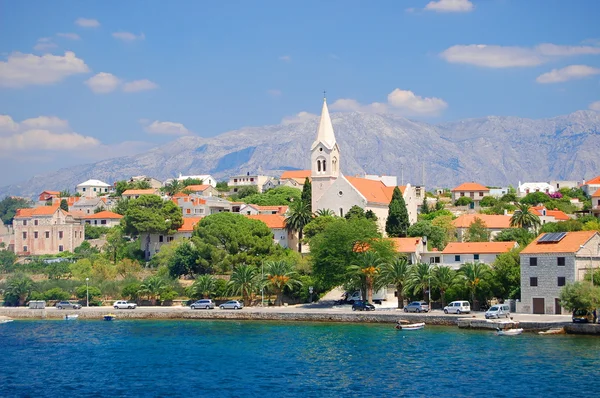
[244,281]
[152,288]
[203,286]
[173,187]
[366,269]
[474,274]
[279,275]
[523,217]
[419,279]
[443,278]
[299,215]
[325,212]
[19,287]
[395,273]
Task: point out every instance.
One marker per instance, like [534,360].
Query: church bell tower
[324,157]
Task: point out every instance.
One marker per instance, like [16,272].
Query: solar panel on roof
[552,237]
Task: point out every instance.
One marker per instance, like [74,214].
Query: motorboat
[509,332]
[109,317]
[410,326]
[71,317]
[6,320]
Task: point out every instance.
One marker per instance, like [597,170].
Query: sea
[201,358]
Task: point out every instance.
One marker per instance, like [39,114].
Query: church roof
[374,191]
[325,133]
[296,174]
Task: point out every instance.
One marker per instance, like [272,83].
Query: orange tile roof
[478,247]
[593,181]
[406,245]
[197,188]
[470,186]
[51,192]
[140,192]
[37,211]
[180,195]
[569,244]
[557,214]
[24,213]
[279,209]
[294,174]
[492,221]
[374,191]
[596,194]
[103,214]
[189,223]
[273,221]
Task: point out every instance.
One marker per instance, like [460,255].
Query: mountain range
[490,150]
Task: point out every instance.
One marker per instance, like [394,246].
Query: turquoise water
[251,359]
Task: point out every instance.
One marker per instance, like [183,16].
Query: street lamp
[87,292]
[591,264]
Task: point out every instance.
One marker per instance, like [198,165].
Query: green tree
[506,275]
[365,269]
[83,292]
[488,201]
[121,206]
[142,184]
[477,231]
[203,287]
[355,211]
[397,222]
[244,281]
[325,212]
[56,293]
[173,187]
[58,270]
[523,217]
[520,235]
[192,181]
[18,288]
[222,186]
[278,196]
[463,201]
[299,215]
[130,290]
[316,225]
[424,206]
[395,273]
[152,288]
[7,261]
[85,250]
[149,214]
[562,226]
[306,196]
[64,205]
[81,269]
[9,206]
[278,276]
[509,198]
[115,240]
[419,279]
[95,232]
[120,187]
[185,260]
[443,278]
[370,215]
[436,236]
[474,276]
[580,296]
[535,198]
[247,191]
[128,268]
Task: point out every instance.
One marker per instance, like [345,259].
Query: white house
[530,187]
[158,240]
[102,219]
[471,190]
[494,224]
[276,223]
[239,181]
[456,254]
[93,188]
[412,248]
[206,179]
[252,209]
[591,186]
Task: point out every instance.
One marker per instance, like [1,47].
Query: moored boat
[509,332]
[5,320]
[109,317]
[411,326]
[71,317]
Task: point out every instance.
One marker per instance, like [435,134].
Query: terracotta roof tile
[478,247]
[557,214]
[180,195]
[37,211]
[140,192]
[197,188]
[492,221]
[406,245]
[470,186]
[596,194]
[569,244]
[374,191]
[593,181]
[294,174]
[189,223]
[24,213]
[278,209]
[103,214]
[273,221]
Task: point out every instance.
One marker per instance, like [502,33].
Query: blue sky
[86,80]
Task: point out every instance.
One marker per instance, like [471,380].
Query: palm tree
[298,216]
[474,274]
[243,281]
[152,288]
[279,275]
[366,270]
[443,278]
[173,187]
[419,279]
[523,217]
[324,213]
[395,273]
[19,287]
[203,286]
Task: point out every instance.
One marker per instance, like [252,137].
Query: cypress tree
[64,205]
[424,206]
[306,196]
[397,223]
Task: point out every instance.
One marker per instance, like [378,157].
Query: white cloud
[44,44]
[570,72]
[595,106]
[450,6]
[27,69]
[285,58]
[167,128]
[52,123]
[299,118]
[7,124]
[493,56]
[403,102]
[139,85]
[274,92]
[103,83]
[87,23]
[70,36]
[128,37]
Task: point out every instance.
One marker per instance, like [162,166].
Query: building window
[235,180]
[188,211]
[319,166]
[24,248]
[532,261]
[24,223]
[252,180]
[35,222]
[434,260]
[60,248]
[24,235]
[47,234]
[457,258]
[475,256]
[561,281]
[160,238]
[35,234]
[94,189]
[533,281]
[462,194]
[560,261]
[102,222]
[83,189]
[324,168]
[170,238]
[341,212]
[480,193]
[60,234]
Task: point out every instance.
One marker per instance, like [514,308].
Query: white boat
[5,320]
[509,332]
[411,326]
[71,317]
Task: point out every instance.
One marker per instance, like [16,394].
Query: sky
[82,81]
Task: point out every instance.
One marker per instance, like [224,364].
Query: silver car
[232,305]
[64,305]
[207,304]
[417,306]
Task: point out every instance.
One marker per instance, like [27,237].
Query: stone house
[456,254]
[494,224]
[550,262]
[154,183]
[93,188]
[471,190]
[239,181]
[46,230]
[47,196]
[88,205]
[102,219]
[202,190]
[294,178]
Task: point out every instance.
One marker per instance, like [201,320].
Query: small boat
[71,317]
[509,332]
[6,320]
[411,326]
[109,317]
[553,331]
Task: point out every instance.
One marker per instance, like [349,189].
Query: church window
[324,168]
[334,164]
[319,166]
[320,149]
[340,193]
[341,212]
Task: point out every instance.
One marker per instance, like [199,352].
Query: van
[497,311]
[458,307]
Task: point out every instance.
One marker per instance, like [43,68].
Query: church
[333,190]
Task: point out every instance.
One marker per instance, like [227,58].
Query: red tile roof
[273,221]
[295,174]
[374,191]
[105,214]
[569,244]
[279,209]
[470,187]
[197,188]
[37,211]
[189,223]
[491,221]
[557,214]
[478,247]
[140,192]
[406,245]
[596,194]
[180,195]
[593,181]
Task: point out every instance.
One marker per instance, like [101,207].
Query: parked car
[64,305]
[204,303]
[498,311]
[122,304]
[583,316]
[458,307]
[232,305]
[363,306]
[417,306]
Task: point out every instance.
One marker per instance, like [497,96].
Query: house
[498,192]
[252,209]
[48,195]
[237,182]
[530,187]
[6,237]
[158,240]
[591,186]
[270,184]
[93,188]
[154,183]
[295,178]
[276,223]
[546,215]
[198,206]
[550,262]
[494,224]
[596,203]
[412,248]
[560,184]
[136,193]
[103,219]
[46,230]
[202,190]
[87,205]
[456,254]
[206,179]
[471,190]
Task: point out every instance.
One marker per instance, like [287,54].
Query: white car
[232,305]
[122,304]
[458,307]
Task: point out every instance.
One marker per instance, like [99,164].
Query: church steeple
[325,133]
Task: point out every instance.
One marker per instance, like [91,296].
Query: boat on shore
[109,317]
[6,320]
[509,332]
[71,317]
[410,326]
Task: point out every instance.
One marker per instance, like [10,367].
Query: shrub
[463,201]
[56,294]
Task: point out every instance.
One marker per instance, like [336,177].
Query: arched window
[324,168]
[334,165]
[319,166]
